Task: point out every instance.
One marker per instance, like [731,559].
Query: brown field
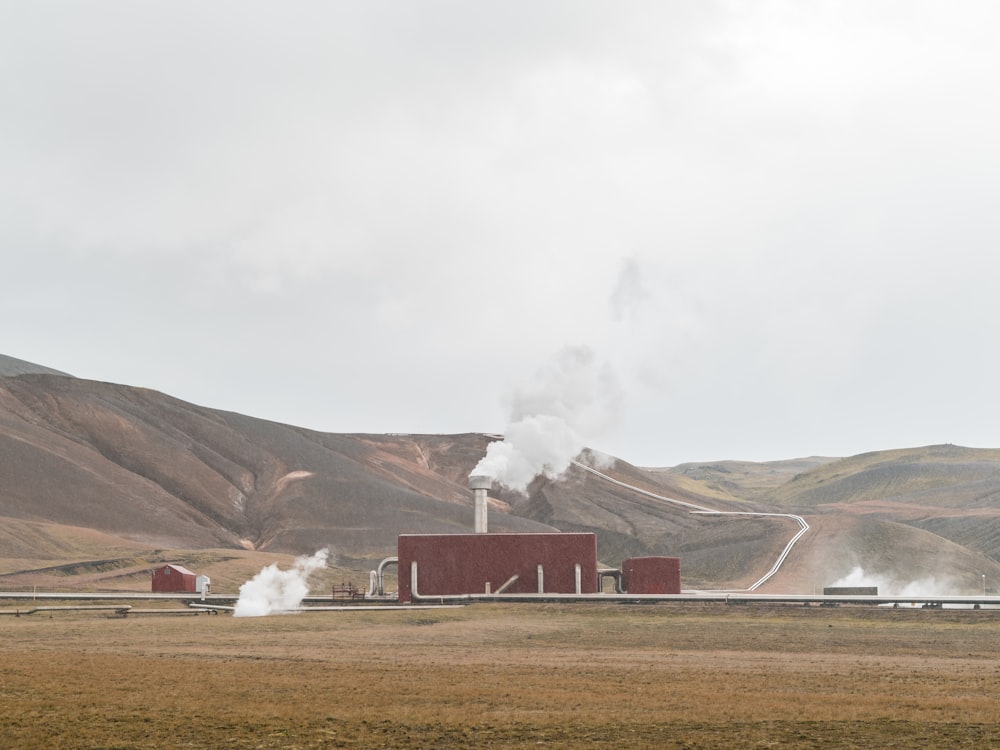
[505,676]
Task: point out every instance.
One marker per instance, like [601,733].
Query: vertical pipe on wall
[578,572]
[541,579]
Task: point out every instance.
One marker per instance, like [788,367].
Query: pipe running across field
[121,609]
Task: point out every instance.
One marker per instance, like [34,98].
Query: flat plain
[504,676]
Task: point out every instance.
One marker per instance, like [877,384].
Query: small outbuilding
[174,578]
[652,575]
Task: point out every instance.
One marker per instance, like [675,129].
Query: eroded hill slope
[142,465]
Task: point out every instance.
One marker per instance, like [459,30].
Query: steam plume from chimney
[550,418]
[273,591]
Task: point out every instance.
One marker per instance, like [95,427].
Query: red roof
[180,569]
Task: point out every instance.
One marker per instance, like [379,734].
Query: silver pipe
[380,573]
[119,608]
[480,486]
[508,584]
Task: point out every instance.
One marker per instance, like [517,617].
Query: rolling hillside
[903,515]
[99,482]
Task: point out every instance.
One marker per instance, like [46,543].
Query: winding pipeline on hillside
[803,526]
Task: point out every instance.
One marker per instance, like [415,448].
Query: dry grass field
[504,676]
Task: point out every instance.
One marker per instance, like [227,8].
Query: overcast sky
[763,229]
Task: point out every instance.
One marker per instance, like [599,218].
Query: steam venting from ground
[273,591]
[924,587]
[549,419]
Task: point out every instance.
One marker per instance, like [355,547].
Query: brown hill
[142,465]
[100,482]
[947,489]
[744,479]
[938,476]
[147,470]
[907,514]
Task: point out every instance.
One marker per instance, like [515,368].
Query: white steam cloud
[550,419]
[921,588]
[273,590]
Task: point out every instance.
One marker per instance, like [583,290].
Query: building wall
[451,564]
[652,575]
[170,578]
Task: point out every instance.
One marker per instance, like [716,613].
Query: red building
[652,575]
[174,578]
[454,564]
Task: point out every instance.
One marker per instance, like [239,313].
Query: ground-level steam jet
[273,591]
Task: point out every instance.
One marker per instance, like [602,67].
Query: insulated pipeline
[700,509]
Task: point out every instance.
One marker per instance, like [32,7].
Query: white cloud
[770,218]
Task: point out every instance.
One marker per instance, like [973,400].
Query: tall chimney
[479,485]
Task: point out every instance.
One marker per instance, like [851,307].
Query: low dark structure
[850,591]
[347,591]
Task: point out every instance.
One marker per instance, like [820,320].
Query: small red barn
[174,578]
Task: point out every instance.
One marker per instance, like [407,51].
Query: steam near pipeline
[273,591]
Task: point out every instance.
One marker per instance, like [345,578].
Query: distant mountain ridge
[939,475]
[9,367]
[89,467]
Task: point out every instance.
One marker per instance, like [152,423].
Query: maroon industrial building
[174,578]
[435,566]
[455,564]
